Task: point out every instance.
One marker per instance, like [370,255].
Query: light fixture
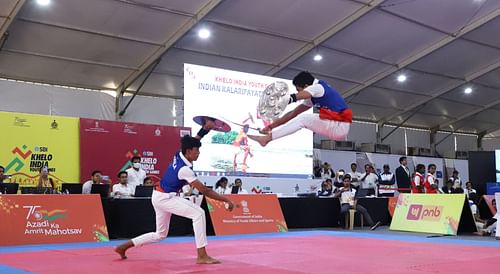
[468,90]
[204,33]
[401,78]
[43,2]
[317,57]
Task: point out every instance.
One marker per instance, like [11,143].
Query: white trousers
[165,205]
[334,130]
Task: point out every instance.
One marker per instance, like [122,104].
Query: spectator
[327,171]
[339,178]
[347,201]
[417,184]
[136,174]
[95,179]
[221,185]
[369,179]
[386,182]
[317,172]
[2,175]
[147,181]
[448,188]
[44,181]
[431,183]
[471,193]
[355,175]
[403,177]
[238,183]
[326,188]
[456,181]
[123,189]
[490,225]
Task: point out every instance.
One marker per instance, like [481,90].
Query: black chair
[9,188]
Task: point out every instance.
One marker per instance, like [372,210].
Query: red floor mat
[311,254]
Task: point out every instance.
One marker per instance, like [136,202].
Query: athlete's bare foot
[207,260]
[121,249]
[262,140]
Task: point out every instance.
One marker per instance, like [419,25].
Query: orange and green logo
[50,215]
[17,162]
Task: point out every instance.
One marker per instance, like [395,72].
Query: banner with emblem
[43,219]
[431,213]
[108,146]
[251,214]
[32,141]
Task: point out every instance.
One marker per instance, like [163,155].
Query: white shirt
[136,177]
[467,191]
[186,173]
[242,191]
[316,90]
[457,183]
[326,175]
[124,190]
[221,190]
[370,181]
[87,187]
[356,175]
[347,197]
[386,177]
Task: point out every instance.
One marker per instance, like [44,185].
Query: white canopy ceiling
[441,46]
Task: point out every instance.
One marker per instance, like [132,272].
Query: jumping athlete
[333,120]
[166,200]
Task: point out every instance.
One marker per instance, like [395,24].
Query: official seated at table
[44,181]
[123,189]
[2,174]
[237,188]
[326,188]
[221,185]
[347,195]
[96,178]
[147,181]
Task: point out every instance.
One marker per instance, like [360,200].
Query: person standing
[431,183]
[369,180]
[417,184]
[166,200]
[355,175]
[403,176]
[386,182]
[136,174]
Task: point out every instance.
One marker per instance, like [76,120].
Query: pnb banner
[251,214]
[431,213]
[42,219]
[108,146]
[32,141]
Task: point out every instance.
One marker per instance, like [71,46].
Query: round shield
[273,100]
[219,125]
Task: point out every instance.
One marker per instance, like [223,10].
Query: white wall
[51,100]
[150,110]
[490,144]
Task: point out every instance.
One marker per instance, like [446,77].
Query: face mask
[136,165]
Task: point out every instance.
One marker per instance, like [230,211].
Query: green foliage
[225,137]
